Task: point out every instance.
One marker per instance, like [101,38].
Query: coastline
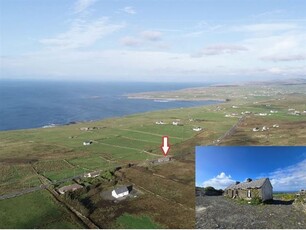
[76,122]
[174,99]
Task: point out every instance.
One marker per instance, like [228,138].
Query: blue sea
[33,104]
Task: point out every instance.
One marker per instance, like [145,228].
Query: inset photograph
[250,187]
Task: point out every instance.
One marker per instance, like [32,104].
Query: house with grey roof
[261,188]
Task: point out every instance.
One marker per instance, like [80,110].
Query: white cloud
[292,178]
[151,35]
[82,34]
[266,27]
[221,181]
[129,10]
[284,58]
[130,41]
[220,49]
[81,5]
[145,38]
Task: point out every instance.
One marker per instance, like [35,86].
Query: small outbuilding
[261,188]
[120,192]
[69,188]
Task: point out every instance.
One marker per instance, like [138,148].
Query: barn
[261,188]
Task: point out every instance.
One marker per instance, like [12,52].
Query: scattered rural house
[235,107]
[262,114]
[69,188]
[297,113]
[120,192]
[197,129]
[273,111]
[304,111]
[261,188]
[87,142]
[175,123]
[264,128]
[162,160]
[291,109]
[301,192]
[92,174]
[256,129]
[275,126]
[159,123]
[84,129]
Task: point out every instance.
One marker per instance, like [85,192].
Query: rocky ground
[222,212]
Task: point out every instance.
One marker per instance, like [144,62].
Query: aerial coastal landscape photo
[152,114]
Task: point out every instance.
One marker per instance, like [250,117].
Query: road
[222,212]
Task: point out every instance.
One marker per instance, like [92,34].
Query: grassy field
[136,222]
[34,210]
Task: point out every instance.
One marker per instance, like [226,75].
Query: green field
[136,222]
[34,210]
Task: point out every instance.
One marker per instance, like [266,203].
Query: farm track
[231,130]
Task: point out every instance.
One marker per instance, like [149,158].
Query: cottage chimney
[249,180]
[237,182]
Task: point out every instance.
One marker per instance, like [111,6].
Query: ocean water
[32,104]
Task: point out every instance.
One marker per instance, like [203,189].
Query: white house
[255,129]
[87,142]
[275,126]
[175,123]
[197,129]
[120,192]
[92,174]
[262,114]
[265,128]
[159,123]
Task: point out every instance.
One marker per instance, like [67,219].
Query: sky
[222,166]
[153,40]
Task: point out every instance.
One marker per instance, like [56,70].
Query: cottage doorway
[249,193]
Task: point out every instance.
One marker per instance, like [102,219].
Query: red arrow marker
[165,147]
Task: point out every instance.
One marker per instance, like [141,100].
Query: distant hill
[208,191]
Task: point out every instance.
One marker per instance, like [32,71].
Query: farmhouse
[87,142]
[175,123]
[161,160]
[261,188]
[197,129]
[262,114]
[159,123]
[120,192]
[69,188]
[92,174]
[256,129]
